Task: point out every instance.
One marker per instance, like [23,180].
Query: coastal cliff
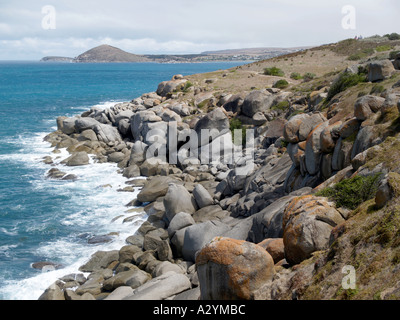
[312,186]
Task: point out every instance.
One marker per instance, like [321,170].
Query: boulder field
[224,222]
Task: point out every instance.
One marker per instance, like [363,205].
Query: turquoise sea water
[48,220]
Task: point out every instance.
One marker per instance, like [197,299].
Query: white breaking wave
[93,202]
[102,105]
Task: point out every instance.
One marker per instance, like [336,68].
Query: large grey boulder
[307,223]
[309,124]
[124,127]
[140,121]
[123,115]
[229,269]
[268,222]
[166,87]
[341,157]
[216,122]
[155,132]
[132,171]
[77,159]
[391,102]
[363,141]
[138,153]
[154,188]
[152,166]
[52,293]
[234,104]
[213,212]
[292,127]
[178,199]
[85,123]
[380,70]
[168,115]
[99,260]
[366,106]
[202,196]
[197,236]
[162,287]
[257,101]
[132,278]
[116,157]
[88,135]
[68,126]
[237,177]
[313,149]
[165,267]
[181,220]
[107,133]
[180,108]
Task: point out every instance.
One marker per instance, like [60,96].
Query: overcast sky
[183,26]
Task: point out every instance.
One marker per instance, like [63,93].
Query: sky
[32,29]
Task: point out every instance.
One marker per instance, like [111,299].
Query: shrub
[392,55]
[308,76]
[377,89]
[383,48]
[393,36]
[282,106]
[296,76]
[281,84]
[345,81]
[274,71]
[350,193]
[361,55]
[187,86]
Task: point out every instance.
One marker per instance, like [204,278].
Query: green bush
[383,48]
[392,55]
[393,36]
[281,84]
[350,193]
[296,76]
[308,76]
[274,71]
[361,55]
[345,81]
[282,106]
[187,86]
[377,89]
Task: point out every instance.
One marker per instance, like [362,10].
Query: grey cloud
[158,26]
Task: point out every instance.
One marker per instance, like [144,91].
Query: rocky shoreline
[222,229]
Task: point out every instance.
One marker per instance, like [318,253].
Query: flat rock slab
[161,288]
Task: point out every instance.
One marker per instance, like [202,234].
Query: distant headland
[106,53]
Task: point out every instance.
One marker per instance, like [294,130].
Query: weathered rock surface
[307,223]
[230,269]
[198,235]
[154,188]
[162,287]
[380,70]
[178,199]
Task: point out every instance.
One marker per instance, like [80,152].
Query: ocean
[49,220]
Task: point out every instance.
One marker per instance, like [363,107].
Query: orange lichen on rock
[232,269]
